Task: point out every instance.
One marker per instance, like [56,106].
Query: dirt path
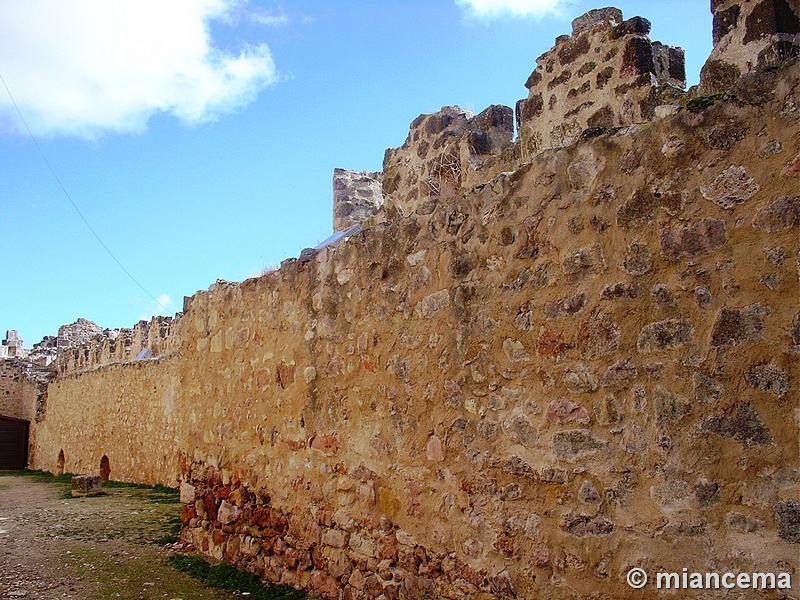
[54,546]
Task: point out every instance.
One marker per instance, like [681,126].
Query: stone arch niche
[105,468]
[60,463]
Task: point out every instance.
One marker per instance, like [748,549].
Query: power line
[71,201]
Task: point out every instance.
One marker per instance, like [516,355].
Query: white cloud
[263,17]
[88,66]
[164,301]
[488,9]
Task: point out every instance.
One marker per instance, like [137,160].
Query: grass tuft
[700,103]
[231,579]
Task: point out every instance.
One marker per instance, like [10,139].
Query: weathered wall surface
[128,413]
[357,195]
[18,392]
[580,365]
[607,73]
[749,36]
[445,153]
[114,346]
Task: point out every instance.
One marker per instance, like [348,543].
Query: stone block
[590,19]
[228,512]
[787,514]
[664,335]
[565,306]
[781,213]
[768,377]
[576,443]
[582,525]
[731,187]
[744,426]
[357,195]
[736,325]
[187,493]
[704,236]
[86,485]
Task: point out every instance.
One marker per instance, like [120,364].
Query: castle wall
[357,195]
[583,365]
[748,37]
[608,73]
[18,392]
[445,154]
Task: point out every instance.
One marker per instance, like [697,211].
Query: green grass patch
[228,578]
[43,475]
[700,103]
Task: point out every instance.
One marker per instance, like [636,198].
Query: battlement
[446,152]
[749,36]
[608,73]
[83,347]
[547,360]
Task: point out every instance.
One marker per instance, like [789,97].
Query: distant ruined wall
[18,392]
[117,346]
[521,386]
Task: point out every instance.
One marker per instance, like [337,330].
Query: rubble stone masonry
[521,387]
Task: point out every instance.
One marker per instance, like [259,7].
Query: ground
[55,546]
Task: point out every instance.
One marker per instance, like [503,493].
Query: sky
[196,139]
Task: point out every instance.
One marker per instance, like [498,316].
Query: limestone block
[86,485]
[187,493]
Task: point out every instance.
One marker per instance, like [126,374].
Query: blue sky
[199,141]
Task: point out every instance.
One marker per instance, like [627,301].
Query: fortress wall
[748,37]
[128,412]
[445,154]
[580,366]
[18,391]
[121,347]
[608,73]
[522,388]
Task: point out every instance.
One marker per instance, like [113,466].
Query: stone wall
[445,153]
[585,362]
[749,36]
[110,346]
[11,346]
[357,195]
[606,74]
[18,391]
